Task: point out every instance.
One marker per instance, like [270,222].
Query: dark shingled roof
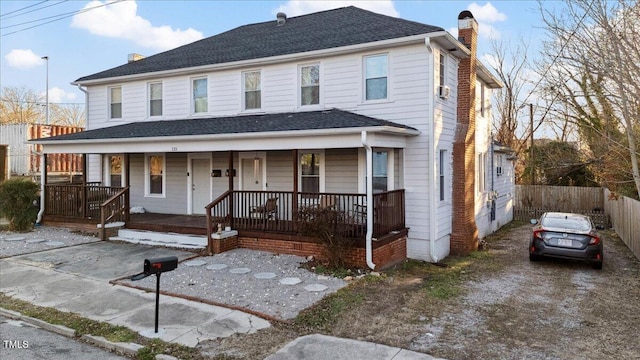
[321,30]
[312,120]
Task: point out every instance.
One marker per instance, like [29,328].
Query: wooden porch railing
[278,211]
[115,209]
[77,201]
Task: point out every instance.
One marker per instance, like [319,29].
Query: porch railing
[279,211]
[77,201]
[115,209]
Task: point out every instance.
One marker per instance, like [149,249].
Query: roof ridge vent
[281,18]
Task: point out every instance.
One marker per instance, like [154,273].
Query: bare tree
[593,69]
[68,115]
[21,105]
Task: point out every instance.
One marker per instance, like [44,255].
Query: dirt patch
[492,304]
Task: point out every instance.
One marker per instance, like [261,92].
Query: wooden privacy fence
[625,219]
[621,213]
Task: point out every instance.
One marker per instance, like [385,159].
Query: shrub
[17,198]
[328,226]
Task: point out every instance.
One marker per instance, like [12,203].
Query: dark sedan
[566,236]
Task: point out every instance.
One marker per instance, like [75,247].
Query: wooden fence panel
[559,198]
[625,215]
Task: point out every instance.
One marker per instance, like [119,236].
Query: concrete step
[161,239]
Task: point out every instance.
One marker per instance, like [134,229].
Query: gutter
[369,236]
[432,160]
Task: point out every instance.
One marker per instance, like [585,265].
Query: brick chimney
[464,235]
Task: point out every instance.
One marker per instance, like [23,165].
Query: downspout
[432,161]
[42,180]
[369,176]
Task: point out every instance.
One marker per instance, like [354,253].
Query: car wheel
[597,265]
[533,257]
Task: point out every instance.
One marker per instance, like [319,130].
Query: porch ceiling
[298,130]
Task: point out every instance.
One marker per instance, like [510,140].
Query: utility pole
[531,158]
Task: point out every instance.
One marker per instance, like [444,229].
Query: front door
[200,185]
[252,169]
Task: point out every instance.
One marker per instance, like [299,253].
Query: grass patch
[327,312]
[113,333]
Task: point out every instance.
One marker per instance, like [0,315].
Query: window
[115,103]
[441,172]
[442,70]
[252,93]
[310,85]
[154,169]
[376,71]
[482,157]
[310,172]
[380,161]
[200,104]
[155,99]
[115,170]
[499,165]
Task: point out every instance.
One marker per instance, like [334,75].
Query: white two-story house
[372,115]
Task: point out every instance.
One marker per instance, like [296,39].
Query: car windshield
[573,223]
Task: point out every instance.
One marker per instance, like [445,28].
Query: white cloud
[58,95]
[486,13]
[23,59]
[301,7]
[121,21]
[490,60]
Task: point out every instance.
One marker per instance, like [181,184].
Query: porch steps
[182,241]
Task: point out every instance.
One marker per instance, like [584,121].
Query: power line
[55,18]
[24,8]
[28,12]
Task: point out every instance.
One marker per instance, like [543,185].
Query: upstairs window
[200,104]
[252,93]
[310,85]
[376,72]
[155,99]
[115,102]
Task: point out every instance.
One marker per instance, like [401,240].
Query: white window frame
[244,91]
[362,169]
[300,86]
[107,170]
[481,179]
[193,98]
[442,175]
[111,103]
[147,174]
[321,163]
[499,168]
[442,69]
[149,98]
[364,78]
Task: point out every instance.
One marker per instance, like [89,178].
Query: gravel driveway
[542,310]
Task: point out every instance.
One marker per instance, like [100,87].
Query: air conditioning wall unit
[443,92]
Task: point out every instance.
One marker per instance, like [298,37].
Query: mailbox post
[157,266]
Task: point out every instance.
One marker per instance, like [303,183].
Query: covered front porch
[266,186]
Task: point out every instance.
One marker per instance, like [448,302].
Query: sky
[85,37]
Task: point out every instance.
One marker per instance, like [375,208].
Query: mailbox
[160,265]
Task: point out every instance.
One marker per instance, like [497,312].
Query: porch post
[127,181]
[294,201]
[230,167]
[83,193]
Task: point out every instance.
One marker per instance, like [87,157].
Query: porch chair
[268,211]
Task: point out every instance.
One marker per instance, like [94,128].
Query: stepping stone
[290,281]
[54,243]
[315,287]
[217,266]
[240,270]
[323,277]
[15,238]
[194,263]
[265,275]
[35,241]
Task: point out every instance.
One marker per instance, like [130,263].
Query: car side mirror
[533,221]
